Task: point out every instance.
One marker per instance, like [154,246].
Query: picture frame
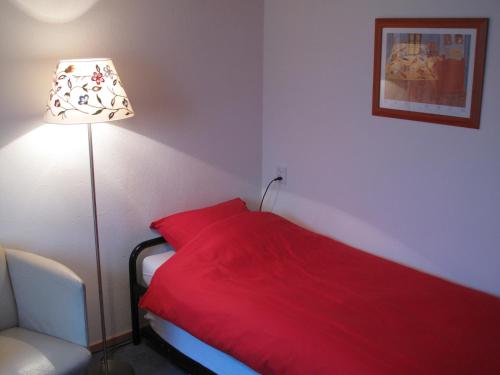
[430,69]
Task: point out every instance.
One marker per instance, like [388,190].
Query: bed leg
[134,297]
[137,290]
[134,310]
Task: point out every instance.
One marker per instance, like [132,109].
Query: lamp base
[114,368]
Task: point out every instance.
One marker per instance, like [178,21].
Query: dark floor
[144,359]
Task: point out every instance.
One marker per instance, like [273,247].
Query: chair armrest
[50,298]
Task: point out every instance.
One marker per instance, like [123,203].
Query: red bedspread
[285,300]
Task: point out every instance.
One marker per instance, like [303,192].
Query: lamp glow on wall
[89,91]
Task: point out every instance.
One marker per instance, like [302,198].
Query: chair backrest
[8,311]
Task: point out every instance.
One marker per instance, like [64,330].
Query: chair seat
[28,352]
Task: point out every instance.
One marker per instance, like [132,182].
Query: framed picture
[429,69]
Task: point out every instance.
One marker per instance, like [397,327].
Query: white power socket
[281,172]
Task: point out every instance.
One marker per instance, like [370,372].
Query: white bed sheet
[210,357]
[151,263]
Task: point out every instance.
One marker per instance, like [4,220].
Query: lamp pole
[97,250]
[109,367]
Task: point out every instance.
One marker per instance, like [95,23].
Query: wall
[422,194]
[193,72]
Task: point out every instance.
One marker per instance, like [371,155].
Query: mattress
[210,357]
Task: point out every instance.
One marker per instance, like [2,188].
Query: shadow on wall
[343,226]
[428,252]
[23,95]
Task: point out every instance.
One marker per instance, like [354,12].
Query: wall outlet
[281,172]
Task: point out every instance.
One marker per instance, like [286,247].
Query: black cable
[267,188]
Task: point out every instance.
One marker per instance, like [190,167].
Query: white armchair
[43,321]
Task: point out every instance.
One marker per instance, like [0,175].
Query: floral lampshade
[87,91]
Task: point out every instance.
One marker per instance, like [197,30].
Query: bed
[258,292]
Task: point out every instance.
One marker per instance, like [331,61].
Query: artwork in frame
[430,70]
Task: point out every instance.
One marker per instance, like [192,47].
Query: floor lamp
[89,91]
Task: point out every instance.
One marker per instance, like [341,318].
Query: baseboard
[111,341]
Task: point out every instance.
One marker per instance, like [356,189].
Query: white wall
[426,195]
[193,72]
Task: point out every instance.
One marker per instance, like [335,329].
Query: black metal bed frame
[136,291]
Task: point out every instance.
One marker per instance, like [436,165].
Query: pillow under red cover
[178,229]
